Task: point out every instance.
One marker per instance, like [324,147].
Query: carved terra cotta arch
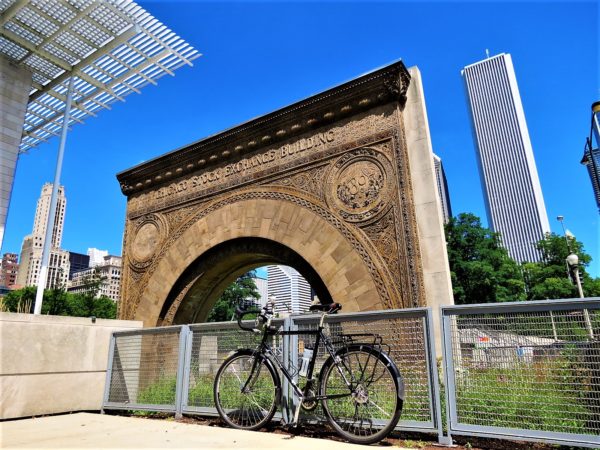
[294,222]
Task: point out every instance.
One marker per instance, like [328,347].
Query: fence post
[448,367]
[285,385]
[181,363]
[434,385]
[111,355]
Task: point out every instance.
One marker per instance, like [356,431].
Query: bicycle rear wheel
[247,391]
[368,410]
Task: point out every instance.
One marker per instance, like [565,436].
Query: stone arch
[201,284]
[342,269]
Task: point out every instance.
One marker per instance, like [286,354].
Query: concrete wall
[15,84]
[53,364]
[430,220]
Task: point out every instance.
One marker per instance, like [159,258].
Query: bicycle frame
[266,349]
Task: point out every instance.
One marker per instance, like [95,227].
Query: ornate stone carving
[359,185]
[148,233]
[345,162]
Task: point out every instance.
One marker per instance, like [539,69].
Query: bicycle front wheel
[246,391]
[368,410]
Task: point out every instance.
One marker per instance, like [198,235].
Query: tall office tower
[513,196]
[9,268]
[31,250]
[78,261]
[291,289]
[108,273]
[262,286]
[442,188]
[96,256]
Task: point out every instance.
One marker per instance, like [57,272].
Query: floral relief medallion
[359,185]
[148,236]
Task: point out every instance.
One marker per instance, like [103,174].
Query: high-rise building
[107,274]
[262,286]
[513,196]
[78,261]
[442,188]
[31,250]
[9,267]
[96,256]
[292,291]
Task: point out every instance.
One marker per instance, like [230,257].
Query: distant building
[9,267]
[96,256]
[442,188]
[262,286]
[31,250]
[591,159]
[78,261]
[292,291]
[108,273]
[512,192]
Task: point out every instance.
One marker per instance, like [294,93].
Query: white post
[53,200]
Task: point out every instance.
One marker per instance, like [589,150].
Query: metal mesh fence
[211,344]
[144,369]
[533,367]
[403,336]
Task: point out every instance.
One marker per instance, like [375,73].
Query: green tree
[239,293]
[57,302]
[549,279]
[20,300]
[481,270]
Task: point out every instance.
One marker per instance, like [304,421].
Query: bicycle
[359,386]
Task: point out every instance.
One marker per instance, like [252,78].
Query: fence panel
[524,370]
[211,344]
[144,369]
[408,339]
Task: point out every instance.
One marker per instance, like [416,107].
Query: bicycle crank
[309,404]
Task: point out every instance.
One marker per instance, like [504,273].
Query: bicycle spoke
[245,393]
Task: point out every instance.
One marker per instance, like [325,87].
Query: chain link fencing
[525,371]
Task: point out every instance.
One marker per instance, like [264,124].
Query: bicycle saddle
[329,308]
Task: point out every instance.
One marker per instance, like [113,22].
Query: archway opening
[202,283]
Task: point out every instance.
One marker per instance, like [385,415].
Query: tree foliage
[480,267]
[549,279]
[483,272]
[239,293]
[57,302]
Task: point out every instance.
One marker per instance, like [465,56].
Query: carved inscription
[245,166]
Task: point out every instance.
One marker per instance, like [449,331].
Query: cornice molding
[381,86]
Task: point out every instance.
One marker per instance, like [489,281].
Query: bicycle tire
[372,407]
[254,408]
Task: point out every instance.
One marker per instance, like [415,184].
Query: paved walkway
[85,430]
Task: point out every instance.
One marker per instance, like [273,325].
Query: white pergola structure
[84,55]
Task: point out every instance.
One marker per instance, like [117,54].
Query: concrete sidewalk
[85,430]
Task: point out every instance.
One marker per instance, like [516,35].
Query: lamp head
[572,260]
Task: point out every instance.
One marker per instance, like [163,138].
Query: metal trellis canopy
[111,47]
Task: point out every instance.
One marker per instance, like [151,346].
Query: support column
[15,84]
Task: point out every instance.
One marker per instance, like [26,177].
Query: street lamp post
[572,261]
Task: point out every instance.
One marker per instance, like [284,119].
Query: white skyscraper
[291,289]
[96,256]
[442,188]
[513,195]
[31,250]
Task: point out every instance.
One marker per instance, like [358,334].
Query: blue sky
[258,57]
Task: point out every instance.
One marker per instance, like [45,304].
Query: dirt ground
[407,440]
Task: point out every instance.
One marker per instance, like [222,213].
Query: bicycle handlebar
[241,313]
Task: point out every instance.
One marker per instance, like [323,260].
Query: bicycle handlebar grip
[329,308]
[241,313]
